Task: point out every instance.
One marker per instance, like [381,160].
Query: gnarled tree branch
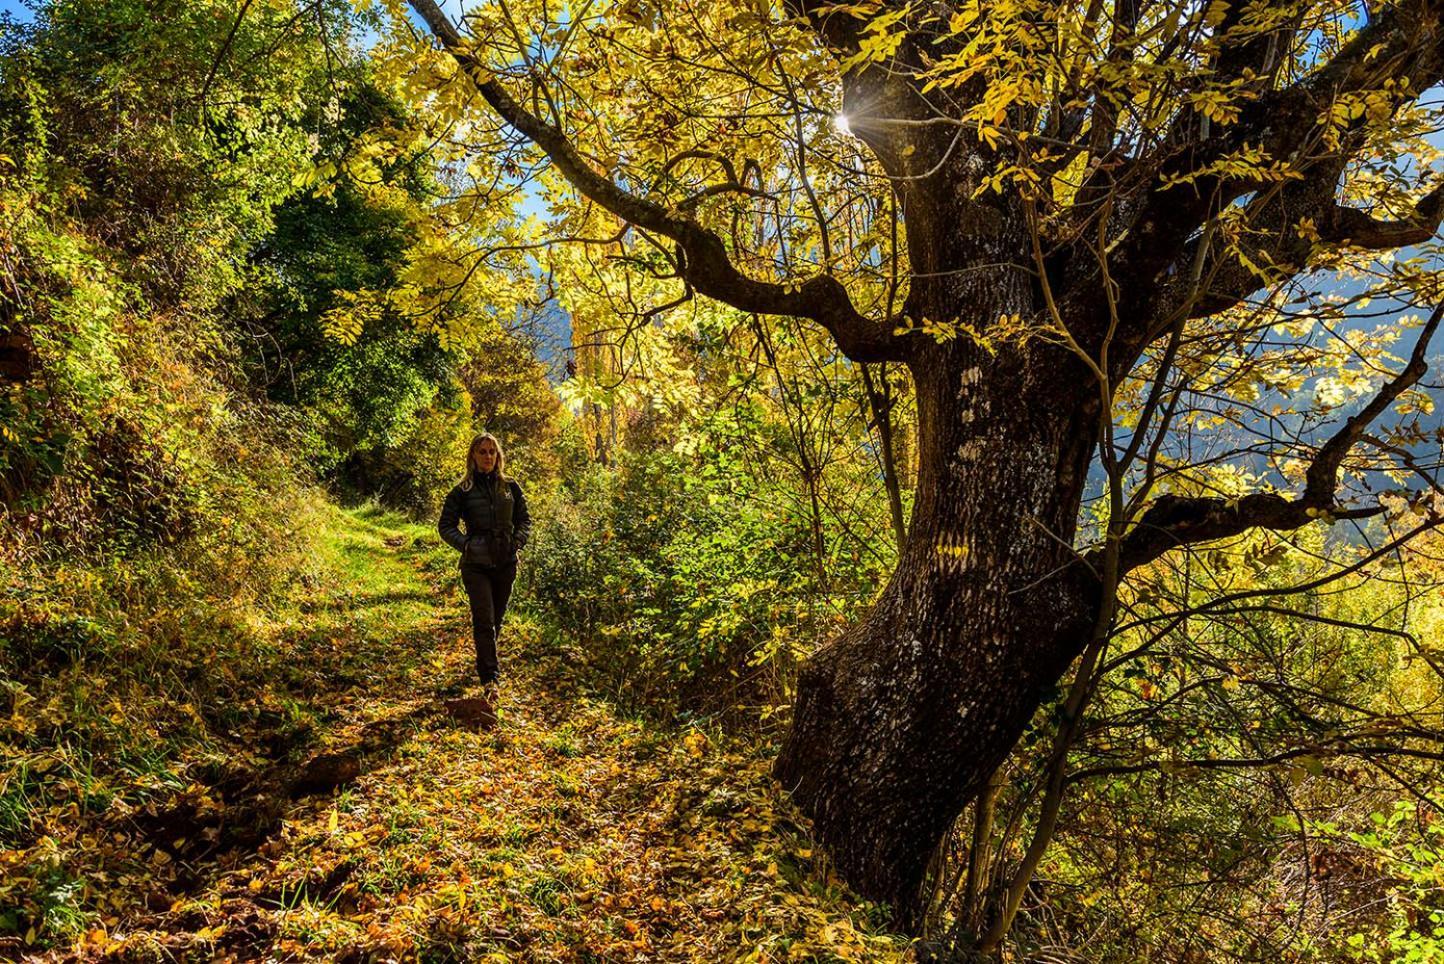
[1275,219]
[1173,521]
[1404,42]
[705,262]
[1357,229]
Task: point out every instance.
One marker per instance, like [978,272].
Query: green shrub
[684,581]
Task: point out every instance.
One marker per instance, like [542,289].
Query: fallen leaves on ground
[564,833]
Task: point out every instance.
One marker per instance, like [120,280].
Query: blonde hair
[469,478]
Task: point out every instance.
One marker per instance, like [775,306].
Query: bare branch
[1339,748]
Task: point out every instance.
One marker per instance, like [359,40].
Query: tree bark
[899,721]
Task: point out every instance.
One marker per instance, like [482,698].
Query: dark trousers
[488,588]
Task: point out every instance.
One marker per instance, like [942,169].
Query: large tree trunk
[901,720]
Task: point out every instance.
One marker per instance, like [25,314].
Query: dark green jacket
[482,514]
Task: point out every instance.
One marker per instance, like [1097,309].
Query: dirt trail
[562,833]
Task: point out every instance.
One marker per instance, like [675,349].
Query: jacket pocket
[479,551]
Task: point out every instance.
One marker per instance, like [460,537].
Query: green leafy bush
[685,582]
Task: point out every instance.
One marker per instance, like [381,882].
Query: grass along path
[563,834]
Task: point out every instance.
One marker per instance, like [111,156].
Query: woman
[497,525]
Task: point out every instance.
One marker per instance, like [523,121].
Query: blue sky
[15,7]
